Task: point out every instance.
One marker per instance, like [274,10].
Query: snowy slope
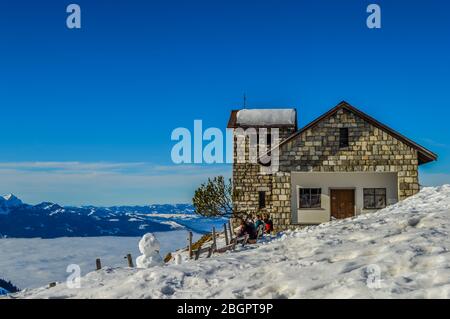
[408,243]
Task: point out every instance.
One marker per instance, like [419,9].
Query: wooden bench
[225,248]
[230,243]
[242,240]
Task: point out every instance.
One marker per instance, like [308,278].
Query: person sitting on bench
[247,228]
[268,223]
[259,225]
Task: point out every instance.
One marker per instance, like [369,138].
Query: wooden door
[342,203]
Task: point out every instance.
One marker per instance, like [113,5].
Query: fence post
[190,245]
[197,252]
[214,238]
[98,263]
[231,230]
[130,260]
[210,251]
[227,242]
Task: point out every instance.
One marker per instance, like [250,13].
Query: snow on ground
[36,262]
[406,244]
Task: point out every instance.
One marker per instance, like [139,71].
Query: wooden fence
[230,243]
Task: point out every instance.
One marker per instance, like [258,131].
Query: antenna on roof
[245,100]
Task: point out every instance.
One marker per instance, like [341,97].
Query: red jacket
[269,225]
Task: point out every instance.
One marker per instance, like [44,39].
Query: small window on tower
[262,199]
[343,137]
[269,143]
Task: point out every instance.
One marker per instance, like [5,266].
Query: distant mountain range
[50,220]
[7,287]
[9,202]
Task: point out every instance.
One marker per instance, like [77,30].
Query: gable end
[424,155]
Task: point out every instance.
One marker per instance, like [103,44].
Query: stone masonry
[248,180]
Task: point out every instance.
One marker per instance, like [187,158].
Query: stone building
[342,164]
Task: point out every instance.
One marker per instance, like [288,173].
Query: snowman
[149,248]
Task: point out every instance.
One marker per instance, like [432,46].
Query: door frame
[343,188]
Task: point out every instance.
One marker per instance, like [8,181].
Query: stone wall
[281,200]
[248,179]
[370,150]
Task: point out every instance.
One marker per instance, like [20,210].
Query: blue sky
[86,115]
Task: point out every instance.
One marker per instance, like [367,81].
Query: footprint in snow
[414,221]
[167,290]
[349,267]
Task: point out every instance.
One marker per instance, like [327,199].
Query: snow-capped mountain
[3,291]
[50,220]
[9,202]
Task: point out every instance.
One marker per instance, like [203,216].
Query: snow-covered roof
[258,117]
